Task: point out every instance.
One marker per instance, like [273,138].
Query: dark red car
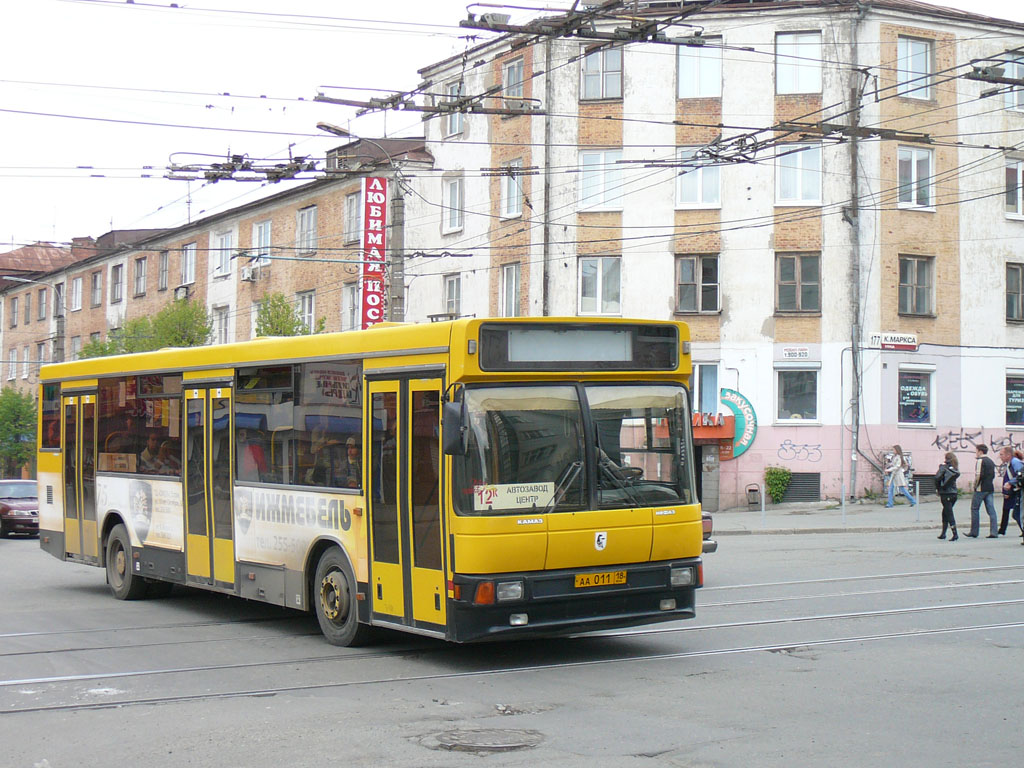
[19,507]
[710,545]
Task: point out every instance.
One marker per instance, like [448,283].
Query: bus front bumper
[564,602]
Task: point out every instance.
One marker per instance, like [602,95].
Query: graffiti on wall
[790,451]
[967,441]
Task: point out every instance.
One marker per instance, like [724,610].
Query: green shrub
[776,479]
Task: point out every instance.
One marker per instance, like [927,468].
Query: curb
[847,529]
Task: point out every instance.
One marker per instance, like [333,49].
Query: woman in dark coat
[945,485]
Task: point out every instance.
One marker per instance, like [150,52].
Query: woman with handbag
[945,486]
[896,470]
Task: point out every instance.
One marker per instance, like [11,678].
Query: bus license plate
[600,579]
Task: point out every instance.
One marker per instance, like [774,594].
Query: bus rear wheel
[335,601]
[124,584]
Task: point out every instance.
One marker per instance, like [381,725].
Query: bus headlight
[682,577]
[509,590]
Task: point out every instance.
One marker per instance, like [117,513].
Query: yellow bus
[466,480]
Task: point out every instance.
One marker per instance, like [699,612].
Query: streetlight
[58,336]
[337,130]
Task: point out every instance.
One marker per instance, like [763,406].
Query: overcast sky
[127,67]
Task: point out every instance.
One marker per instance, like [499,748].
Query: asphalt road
[818,650]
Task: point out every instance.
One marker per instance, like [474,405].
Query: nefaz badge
[600,540]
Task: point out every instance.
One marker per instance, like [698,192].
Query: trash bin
[754,495]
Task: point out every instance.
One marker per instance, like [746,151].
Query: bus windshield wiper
[611,470]
[562,485]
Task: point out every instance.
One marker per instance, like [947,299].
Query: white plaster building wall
[648,282]
[222,288]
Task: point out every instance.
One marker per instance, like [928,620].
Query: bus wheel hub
[333,595]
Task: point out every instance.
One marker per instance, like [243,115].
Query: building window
[306,238]
[254,316]
[41,304]
[140,276]
[600,285]
[350,319]
[453,120]
[28,308]
[700,70]
[914,68]
[453,205]
[116,283]
[76,293]
[94,336]
[798,174]
[25,359]
[602,74]
[1014,68]
[697,284]
[697,184]
[58,300]
[797,394]
[222,254]
[705,398]
[453,295]
[261,241]
[41,353]
[916,285]
[511,190]
[14,311]
[514,77]
[76,347]
[510,274]
[915,397]
[1015,398]
[306,310]
[164,268]
[798,282]
[96,288]
[12,364]
[915,169]
[352,219]
[601,179]
[188,264]
[220,324]
[798,62]
[1014,185]
[1015,292]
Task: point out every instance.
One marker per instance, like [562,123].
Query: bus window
[139,425]
[51,416]
[424,460]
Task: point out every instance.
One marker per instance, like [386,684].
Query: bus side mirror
[455,434]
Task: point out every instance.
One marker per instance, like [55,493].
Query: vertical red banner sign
[375,215]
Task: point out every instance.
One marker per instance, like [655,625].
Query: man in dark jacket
[984,474]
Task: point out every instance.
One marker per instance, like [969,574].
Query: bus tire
[334,601]
[124,584]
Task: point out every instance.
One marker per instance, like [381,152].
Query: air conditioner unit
[248,275]
[181,292]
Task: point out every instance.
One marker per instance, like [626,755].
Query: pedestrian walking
[984,475]
[945,485]
[1013,466]
[896,470]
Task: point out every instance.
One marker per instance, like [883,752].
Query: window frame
[15,311]
[799,159]
[453,123]
[914,185]
[511,204]
[698,283]
[352,226]
[76,293]
[139,281]
[1018,375]
[806,77]
[1016,297]
[704,57]
[305,305]
[781,370]
[225,240]
[707,175]
[916,260]
[608,174]
[96,288]
[699,393]
[306,230]
[602,72]
[188,263]
[26,356]
[511,278]
[798,282]
[453,216]
[1014,188]
[907,80]
[453,294]
[116,283]
[221,323]
[916,370]
[12,364]
[163,270]
[28,307]
[513,88]
[262,237]
[41,304]
[1013,99]
[350,305]
[600,298]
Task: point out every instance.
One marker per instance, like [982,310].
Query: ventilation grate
[804,486]
[49,494]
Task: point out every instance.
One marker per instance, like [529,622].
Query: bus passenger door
[209,514]
[406,538]
[80,537]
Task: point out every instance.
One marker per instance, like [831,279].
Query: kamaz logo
[600,540]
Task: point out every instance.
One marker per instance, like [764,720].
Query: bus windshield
[528,451]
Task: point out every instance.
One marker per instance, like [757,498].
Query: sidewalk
[861,516]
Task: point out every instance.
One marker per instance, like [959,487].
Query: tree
[182,323]
[17,430]
[277,316]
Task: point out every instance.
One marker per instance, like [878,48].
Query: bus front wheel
[335,601]
[123,583]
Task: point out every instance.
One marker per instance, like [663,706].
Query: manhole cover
[485,740]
